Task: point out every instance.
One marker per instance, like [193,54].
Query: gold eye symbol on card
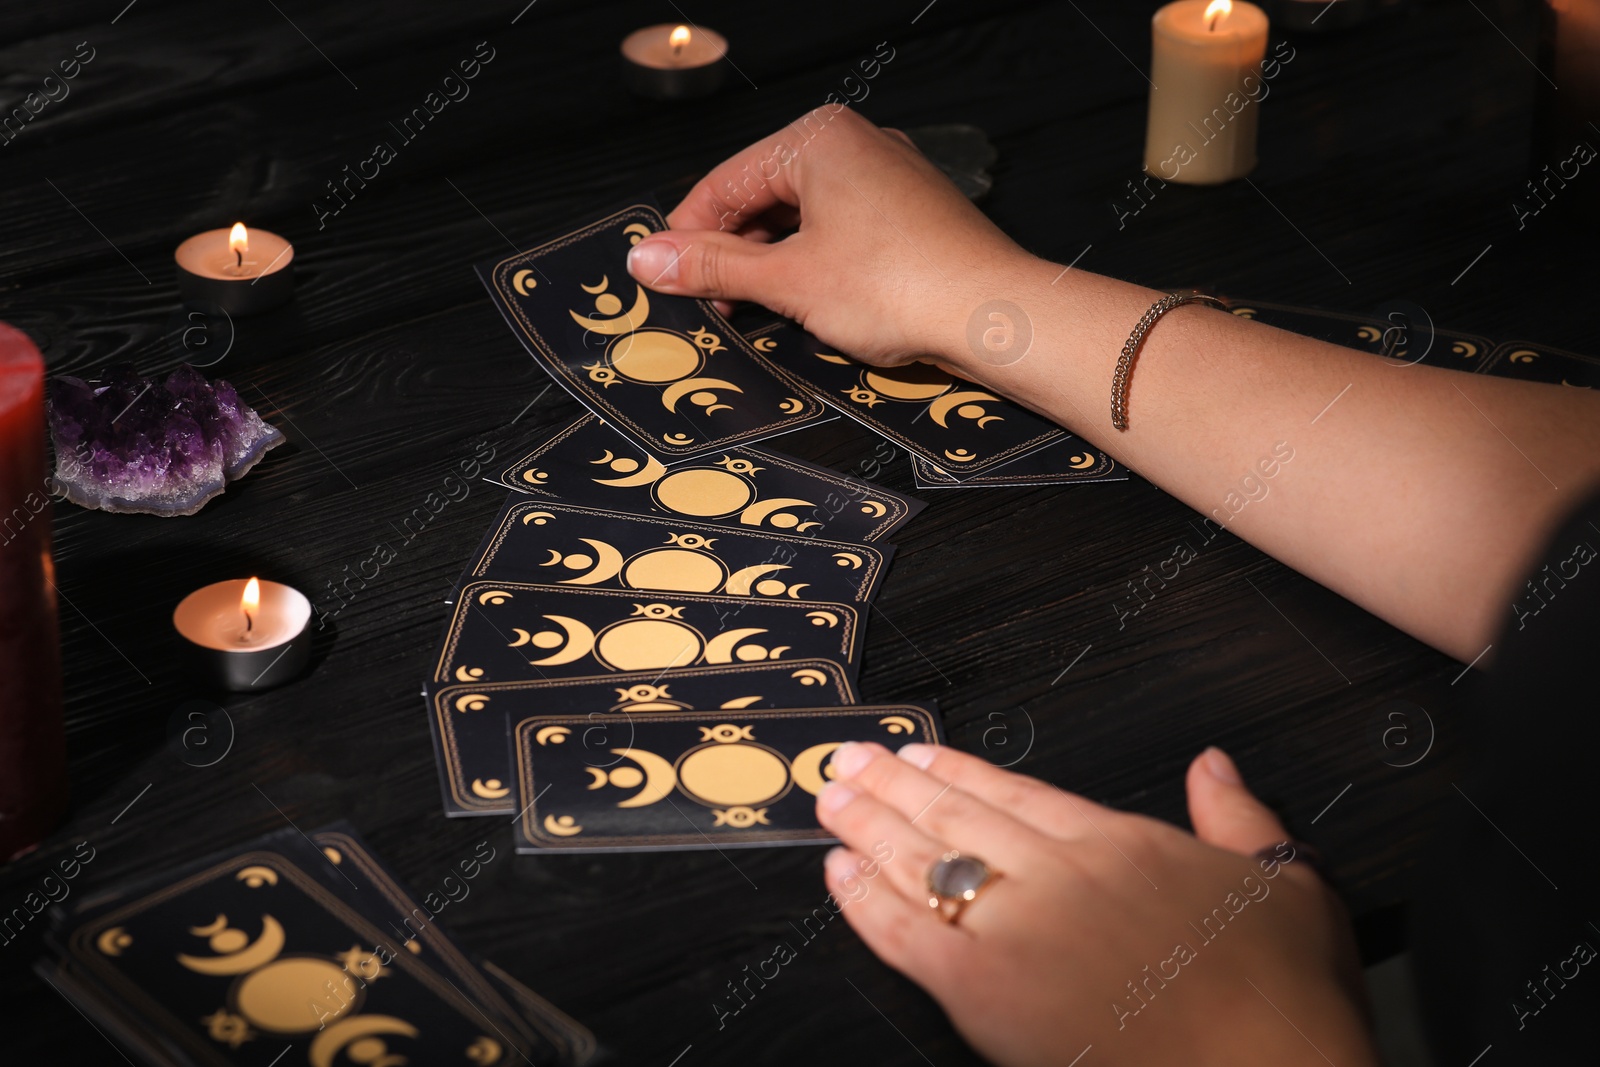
[113,941]
[647,698]
[485,1050]
[256,877]
[565,826]
[609,305]
[968,404]
[493,789]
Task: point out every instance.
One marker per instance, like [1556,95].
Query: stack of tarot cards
[656,645]
[295,949]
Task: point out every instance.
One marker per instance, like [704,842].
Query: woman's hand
[889,259]
[1102,928]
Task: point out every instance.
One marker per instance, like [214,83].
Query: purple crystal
[131,444]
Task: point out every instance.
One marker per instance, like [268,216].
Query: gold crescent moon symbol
[519,278]
[810,676]
[804,526]
[539,517]
[533,476]
[468,674]
[849,559]
[1083,462]
[678,390]
[806,768]
[794,590]
[826,358]
[1464,349]
[491,789]
[596,290]
[551,735]
[485,1050]
[739,581]
[757,513]
[471,701]
[113,941]
[597,778]
[609,567]
[334,855]
[493,596]
[523,637]
[720,649]
[793,405]
[874,508]
[566,826]
[637,231]
[627,322]
[1245,313]
[256,877]
[579,642]
[739,703]
[941,407]
[897,724]
[1523,355]
[987,419]
[823,618]
[265,949]
[652,470]
[1369,333]
[555,557]
[659,777]
[330,1042]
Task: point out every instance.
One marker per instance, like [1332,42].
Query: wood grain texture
[1395,150]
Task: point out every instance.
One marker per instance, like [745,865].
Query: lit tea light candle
[1205,70]
[247,635]
[240,271]
[668,62]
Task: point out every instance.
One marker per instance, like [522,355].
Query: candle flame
[679,38]
[1217,11]
[250,601]
[238,238]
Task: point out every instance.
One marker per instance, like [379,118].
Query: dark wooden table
[1390,158]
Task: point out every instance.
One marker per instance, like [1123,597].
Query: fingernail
[834,796]
[849,758]
[1221,767]
[653,262]
[838,858]
[917,754]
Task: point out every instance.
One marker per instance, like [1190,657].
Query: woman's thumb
[702,263]
[1223,811]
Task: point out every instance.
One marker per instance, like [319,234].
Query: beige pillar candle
[1202,127]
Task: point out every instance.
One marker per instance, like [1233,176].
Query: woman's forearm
[1420,494]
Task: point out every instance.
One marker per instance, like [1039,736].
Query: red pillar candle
[33,766]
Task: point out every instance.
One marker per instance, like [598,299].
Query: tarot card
[589,465]
[667,371]
[546,542]
[690,780]
[1541,363]
[1060,462]
[540,1026]
[470,722]
[511,631]
[254,959]
[946,420]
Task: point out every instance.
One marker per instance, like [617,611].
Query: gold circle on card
[704,492]
[293,994]
[674,569]
[733,774]
[654,356]
[647,644]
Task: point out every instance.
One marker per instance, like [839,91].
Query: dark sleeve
[1503,923]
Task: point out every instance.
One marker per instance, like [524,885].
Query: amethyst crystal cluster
[133,444]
